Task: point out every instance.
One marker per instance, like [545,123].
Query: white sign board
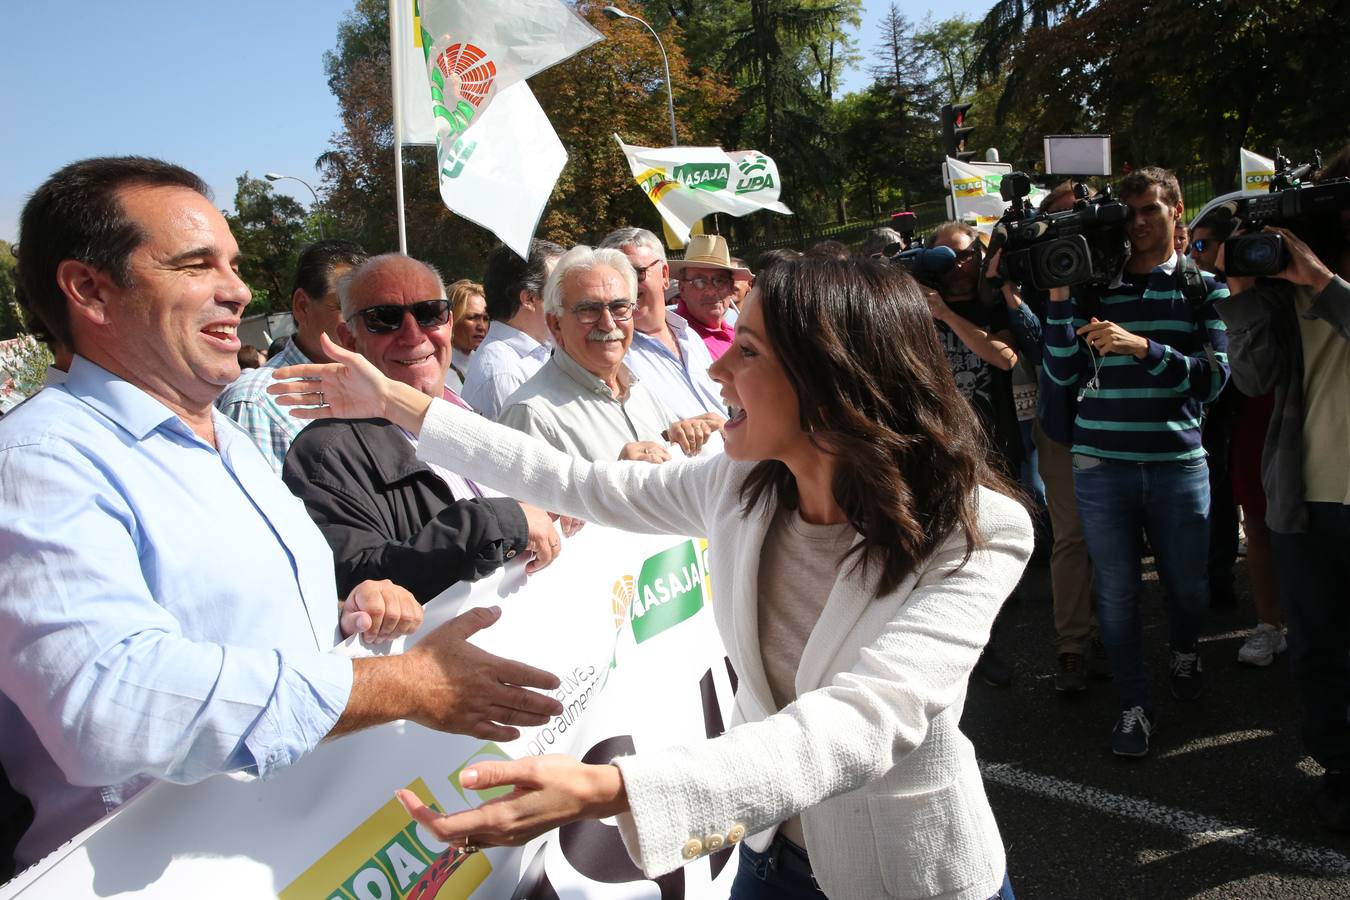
[624,620]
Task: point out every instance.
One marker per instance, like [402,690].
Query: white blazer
[870,754]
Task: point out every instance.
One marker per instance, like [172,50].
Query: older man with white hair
[584,400]
[666,354]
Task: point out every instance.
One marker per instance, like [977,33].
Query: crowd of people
[873,459]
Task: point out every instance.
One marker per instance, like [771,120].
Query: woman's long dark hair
[857,342]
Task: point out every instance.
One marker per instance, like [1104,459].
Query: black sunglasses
[388,317]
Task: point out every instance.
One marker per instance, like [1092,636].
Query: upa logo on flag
[755,174]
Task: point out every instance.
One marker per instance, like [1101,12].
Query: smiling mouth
[225,334]
[414,362]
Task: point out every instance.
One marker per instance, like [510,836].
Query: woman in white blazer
[847,418]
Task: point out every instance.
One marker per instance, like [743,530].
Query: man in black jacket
[385,513]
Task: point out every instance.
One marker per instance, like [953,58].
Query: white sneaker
[1262,645]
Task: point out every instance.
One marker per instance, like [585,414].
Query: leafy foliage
[270,229]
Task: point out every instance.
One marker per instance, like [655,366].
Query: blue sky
[221,88]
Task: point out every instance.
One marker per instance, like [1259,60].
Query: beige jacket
[871,754]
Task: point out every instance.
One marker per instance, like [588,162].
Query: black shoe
[1332,802]
[1132,732]
[1186,675]
[1071,677]
[991,669]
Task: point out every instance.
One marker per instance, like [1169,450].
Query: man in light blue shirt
[165,604]
[517,343]
[666,354]
[314,305]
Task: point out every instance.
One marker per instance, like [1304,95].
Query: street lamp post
[615,13]
[273,176]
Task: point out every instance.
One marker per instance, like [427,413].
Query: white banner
[624,620]
[687,183]
[975,194]
[1257,171]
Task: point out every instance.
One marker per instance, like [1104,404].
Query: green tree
[270,229]
[11,314]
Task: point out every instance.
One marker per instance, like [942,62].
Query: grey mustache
[599,336]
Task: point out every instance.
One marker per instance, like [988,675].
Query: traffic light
[954,131]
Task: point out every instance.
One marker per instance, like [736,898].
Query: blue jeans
[1117,501]
[783,872]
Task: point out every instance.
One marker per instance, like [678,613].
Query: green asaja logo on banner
[669,590]
[703,176]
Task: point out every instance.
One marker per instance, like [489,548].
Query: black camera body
[1083,245]
[1303,208]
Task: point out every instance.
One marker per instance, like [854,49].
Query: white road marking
[1218,740]
[1197,829]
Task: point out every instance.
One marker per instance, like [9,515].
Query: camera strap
[1193,288]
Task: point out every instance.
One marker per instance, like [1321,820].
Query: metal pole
[272,176]
[670,88]
[395,31]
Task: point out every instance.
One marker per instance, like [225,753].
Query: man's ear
[86,288]
[528,300]
[554,328]
[346,338]
[300,306]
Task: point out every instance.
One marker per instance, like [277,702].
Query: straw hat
[705,251]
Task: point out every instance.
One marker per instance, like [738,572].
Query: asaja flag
[409,71]
[976,197]
[687,183]
[1257,171]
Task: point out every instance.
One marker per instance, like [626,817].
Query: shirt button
[736,833]
[510,554]
[714,841]
[692,848]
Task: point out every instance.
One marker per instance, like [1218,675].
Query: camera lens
[1062,263]
[1259,255]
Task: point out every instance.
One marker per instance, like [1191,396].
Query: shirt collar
[588,382]
[514,338]
[1167,268]
[290,355]
[53,376]
[683,311]
[121,401]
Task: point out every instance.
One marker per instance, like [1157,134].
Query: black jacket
[386,514]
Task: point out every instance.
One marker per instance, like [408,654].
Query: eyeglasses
[1198,245]
[702,282]
[590,313]
[388,317]
[643,270]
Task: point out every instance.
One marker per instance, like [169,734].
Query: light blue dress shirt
[507,358]
[683,385]
[165,609]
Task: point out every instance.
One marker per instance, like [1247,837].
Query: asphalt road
[1220,809]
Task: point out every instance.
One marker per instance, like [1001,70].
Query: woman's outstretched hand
[347,388]
[547,791]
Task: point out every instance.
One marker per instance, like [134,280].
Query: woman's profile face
[767,424]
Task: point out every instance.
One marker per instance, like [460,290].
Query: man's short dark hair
[507,275]
[1140,180]
[314,269]
[76,214]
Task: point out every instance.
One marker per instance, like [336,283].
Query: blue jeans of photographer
[1169,501]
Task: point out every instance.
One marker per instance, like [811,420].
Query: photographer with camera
[1291,332]
[1078,649]
[972,330]
[1149,353]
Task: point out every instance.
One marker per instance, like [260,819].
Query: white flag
[687,183]
[409,72]
[1257,171]
[476,49]
[501,175]
[497,155]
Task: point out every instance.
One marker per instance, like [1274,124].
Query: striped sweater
[1150,409]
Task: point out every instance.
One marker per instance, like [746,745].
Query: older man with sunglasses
[585,401]
[381,510]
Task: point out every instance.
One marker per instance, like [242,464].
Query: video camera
[926,265]
[1304,208]
[1083,245]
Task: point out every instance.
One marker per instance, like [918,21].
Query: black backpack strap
[1192,286]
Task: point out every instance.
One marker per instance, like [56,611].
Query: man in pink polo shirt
[707,289]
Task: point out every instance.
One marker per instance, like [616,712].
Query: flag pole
[395,33]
